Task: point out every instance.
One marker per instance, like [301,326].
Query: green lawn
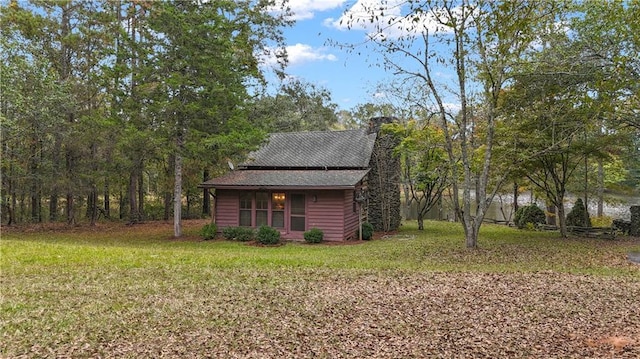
[133,291]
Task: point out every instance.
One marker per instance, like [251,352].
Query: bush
[367,231]
[242,234]
[268,235]
[578,216]
[529,216]
[209,231]
[314,235]
[602,221]
[153,211]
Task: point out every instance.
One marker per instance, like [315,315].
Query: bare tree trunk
[133,203]
[562,222]
[206,201]
[189,198]
[141,191]
[53,198]
[107,201]
[70,207]
[515,197]
[70,210]
[121,205]
[177,198]
[34,204]
[10,199]
[167,190]
[551,214]
[21,211]
[92,205]
[600,189]
[33,172]
[12,208]
[177,190]
[586,188]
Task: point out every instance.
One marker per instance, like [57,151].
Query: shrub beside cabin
[297,181]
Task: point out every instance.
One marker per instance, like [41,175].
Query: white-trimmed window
[246,201]
[278,200]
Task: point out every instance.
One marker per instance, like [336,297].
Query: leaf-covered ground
[154,298]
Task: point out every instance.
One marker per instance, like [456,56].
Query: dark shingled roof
[319,179]
[320,149]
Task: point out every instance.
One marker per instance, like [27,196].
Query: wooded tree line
[545,93]
[119,109]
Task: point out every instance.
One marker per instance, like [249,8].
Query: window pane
[245,218]
[277,219]
[297,224]
[277,201]
[297,204]
[245,200]
[262,200]
[261,218]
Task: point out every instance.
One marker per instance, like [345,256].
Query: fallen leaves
[618,344]
[137,295]
[302,313]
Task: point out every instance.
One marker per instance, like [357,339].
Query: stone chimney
[384,179]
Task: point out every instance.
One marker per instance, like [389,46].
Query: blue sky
[352,78]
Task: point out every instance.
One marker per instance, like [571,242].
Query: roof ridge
[319,131]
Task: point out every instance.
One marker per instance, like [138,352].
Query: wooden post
[635,221]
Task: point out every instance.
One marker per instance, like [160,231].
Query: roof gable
[318,149]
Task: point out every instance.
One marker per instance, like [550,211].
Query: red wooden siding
[326,213]
[332,212]
[227,208]
[350,216]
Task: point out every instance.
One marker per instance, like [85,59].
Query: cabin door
[297,219]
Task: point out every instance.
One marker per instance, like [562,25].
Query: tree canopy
[130,104]
[135,98]
[541,86]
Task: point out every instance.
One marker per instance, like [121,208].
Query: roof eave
[283,188]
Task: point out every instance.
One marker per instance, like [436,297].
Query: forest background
[119,109]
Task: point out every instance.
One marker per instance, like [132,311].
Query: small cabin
[297,181]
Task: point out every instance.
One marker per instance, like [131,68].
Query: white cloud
[302,53]
[385,19]
[299,54]
[452,107]
[306,9]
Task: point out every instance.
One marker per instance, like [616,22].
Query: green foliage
[424,163]
[209,231]
[529,216]
[314,235]
[268,235]
[359,116]
[367,231]
[242,234]
[300,106]
[153,212]
[578,216]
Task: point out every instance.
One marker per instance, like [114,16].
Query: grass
[438,248]
[119,291]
